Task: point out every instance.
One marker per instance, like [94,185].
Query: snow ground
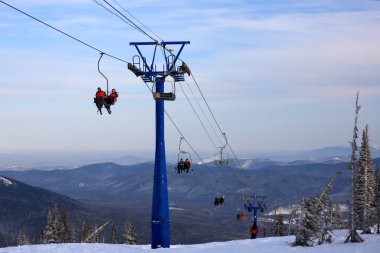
[261,245]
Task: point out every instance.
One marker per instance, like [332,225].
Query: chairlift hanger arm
[179,146]
[101,55]
[225,138]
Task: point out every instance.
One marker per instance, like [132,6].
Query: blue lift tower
[160,222]
[253,204]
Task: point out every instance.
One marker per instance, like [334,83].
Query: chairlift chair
[239,216]
[219,200]
[221,158]
[184,155]
[103,102]
[170,96]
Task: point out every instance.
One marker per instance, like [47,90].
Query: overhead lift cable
[115,14]
[132,23]
[141,23]
[200,120]
[249,179]
[216,122]
[216,188]
[62,32]
[124,19]
[203,112]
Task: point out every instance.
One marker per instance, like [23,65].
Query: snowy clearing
[5,181]
[262,245]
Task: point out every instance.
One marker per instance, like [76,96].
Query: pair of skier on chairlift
[183,166]
[101,99]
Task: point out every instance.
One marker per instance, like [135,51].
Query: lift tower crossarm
[150,68]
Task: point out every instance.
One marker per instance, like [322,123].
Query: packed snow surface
[261,245]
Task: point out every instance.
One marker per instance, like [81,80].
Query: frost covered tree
[334,216]
[292,221]
[130,237]
[377,198]
[65,232]
[56,228]
[325,234]
[95,235]
[22,239]
[278,227]
[353,235]
[113,234]
[35,239]
[51,233]
[73,234]
[47,235]
[85,231]
[365,187]
[314,221]
[310,223]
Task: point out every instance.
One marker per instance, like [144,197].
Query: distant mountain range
[112,182]
[16,161]
[316,155]
[127,191]
[282,182]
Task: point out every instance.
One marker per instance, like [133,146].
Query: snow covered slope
[262,245]
[5,181]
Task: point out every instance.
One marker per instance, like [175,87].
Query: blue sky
[278,75]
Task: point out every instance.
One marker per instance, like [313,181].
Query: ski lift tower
[149,74]
[253,204]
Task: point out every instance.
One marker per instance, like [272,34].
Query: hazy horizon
[75,159]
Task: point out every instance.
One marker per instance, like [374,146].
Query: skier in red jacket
[99,99]
[254,231]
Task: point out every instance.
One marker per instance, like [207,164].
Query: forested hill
[282,184]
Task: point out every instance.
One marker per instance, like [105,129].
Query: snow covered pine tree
[365,187]
[130,237]
[353,235]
